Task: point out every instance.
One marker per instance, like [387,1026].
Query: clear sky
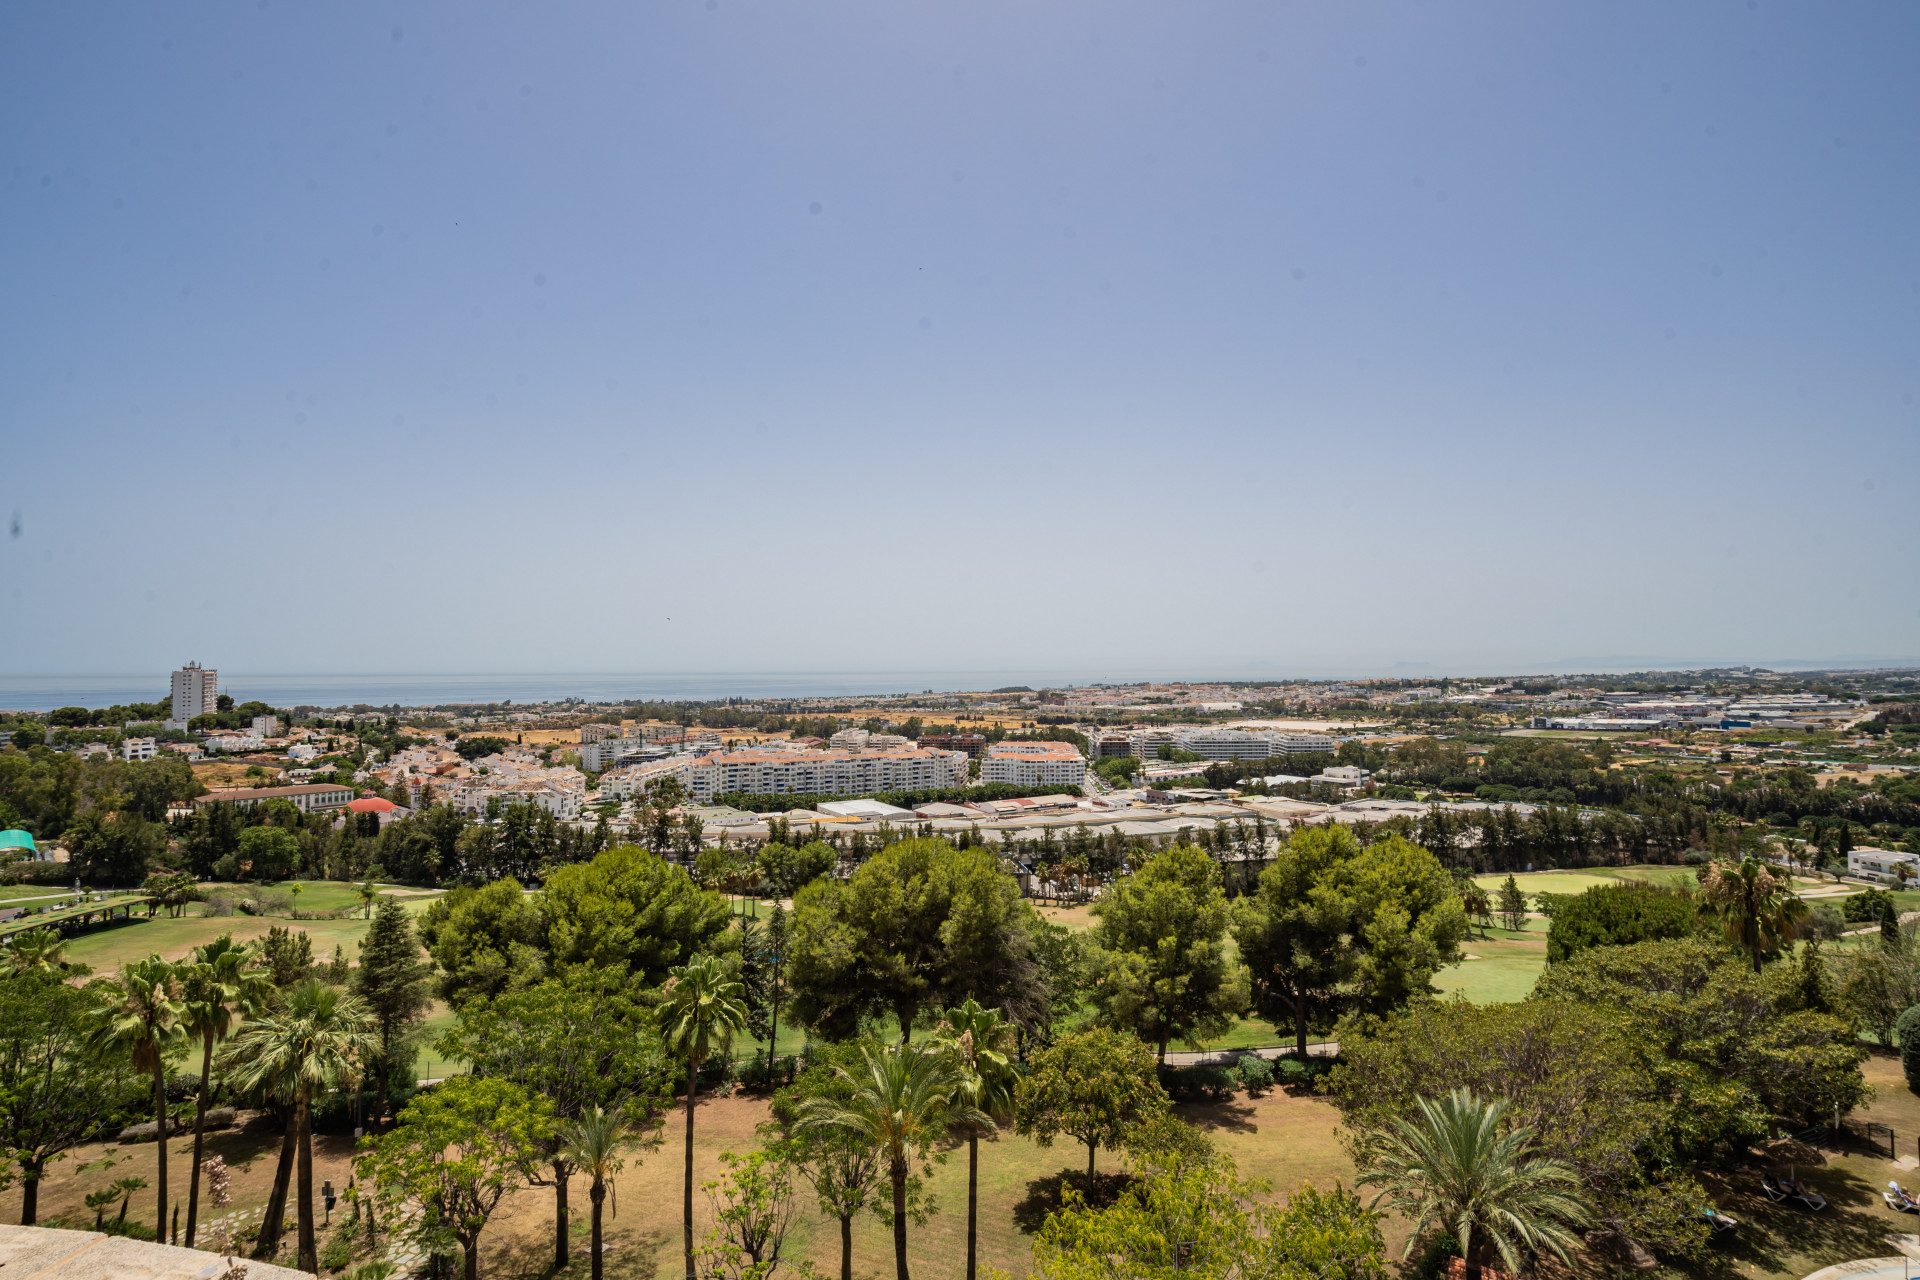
[748,335]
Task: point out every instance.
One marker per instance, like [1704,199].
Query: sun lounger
[1720,1222]
[1811,1199]
[1774,1193]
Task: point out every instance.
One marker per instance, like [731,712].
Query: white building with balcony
[1034,764]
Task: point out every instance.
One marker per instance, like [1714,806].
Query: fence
[1862,1135]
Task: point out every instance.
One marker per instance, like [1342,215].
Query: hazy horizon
[44,693]
[733,336]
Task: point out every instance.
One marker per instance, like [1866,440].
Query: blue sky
[745,336]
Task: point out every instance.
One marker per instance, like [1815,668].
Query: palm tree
[220,984]
[1757,911]
[368,895]
[40,950]
[593,1144]
[702,1012]
[975,1042]
[310,1044]
[902,1102]
[1456,1170]
[143,1014]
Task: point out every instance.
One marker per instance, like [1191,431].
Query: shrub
[1256,1073]
[1823,923]
[1617,915]
[1292,1071]
[1906,1029]
[1866,906]
[1203,1082]
[1440,1249]
[337,1252]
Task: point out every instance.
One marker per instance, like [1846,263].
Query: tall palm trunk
[973,1196]
[559,1214]
[160,1121]
[273,1221]
[309,1254]
[598,1194]
[899,1172]
[686,1204]
[199,1133]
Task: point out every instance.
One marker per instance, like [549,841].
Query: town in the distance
[1041,771]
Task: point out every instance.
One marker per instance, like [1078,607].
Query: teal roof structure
[17,839]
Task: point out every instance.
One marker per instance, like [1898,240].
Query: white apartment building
[595,732]
[631,780]
[1147,742]
[1034,764]
[606,753]
[1224,744]
[1351,777]
[1882,864]
[849,740]
[822,772]
[196,691]
[138,749]
[266,726]
[1301,744]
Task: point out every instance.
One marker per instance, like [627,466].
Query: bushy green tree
[483,940]
[58,1094]
[1907,1028]
[921,924]
[1737,1045]
[1162,967]
[584,1042]
[1618,915]
[1578,1077]
[629,909]
[1200,1221]
[1339,926]
[786,868]
[1099,1087]
[455,1154]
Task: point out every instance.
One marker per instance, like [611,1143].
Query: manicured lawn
[1532,882]
[172,939]
[10,893]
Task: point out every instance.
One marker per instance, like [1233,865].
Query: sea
[44,693]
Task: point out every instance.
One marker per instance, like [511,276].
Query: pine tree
[1513,905]
[393,982]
